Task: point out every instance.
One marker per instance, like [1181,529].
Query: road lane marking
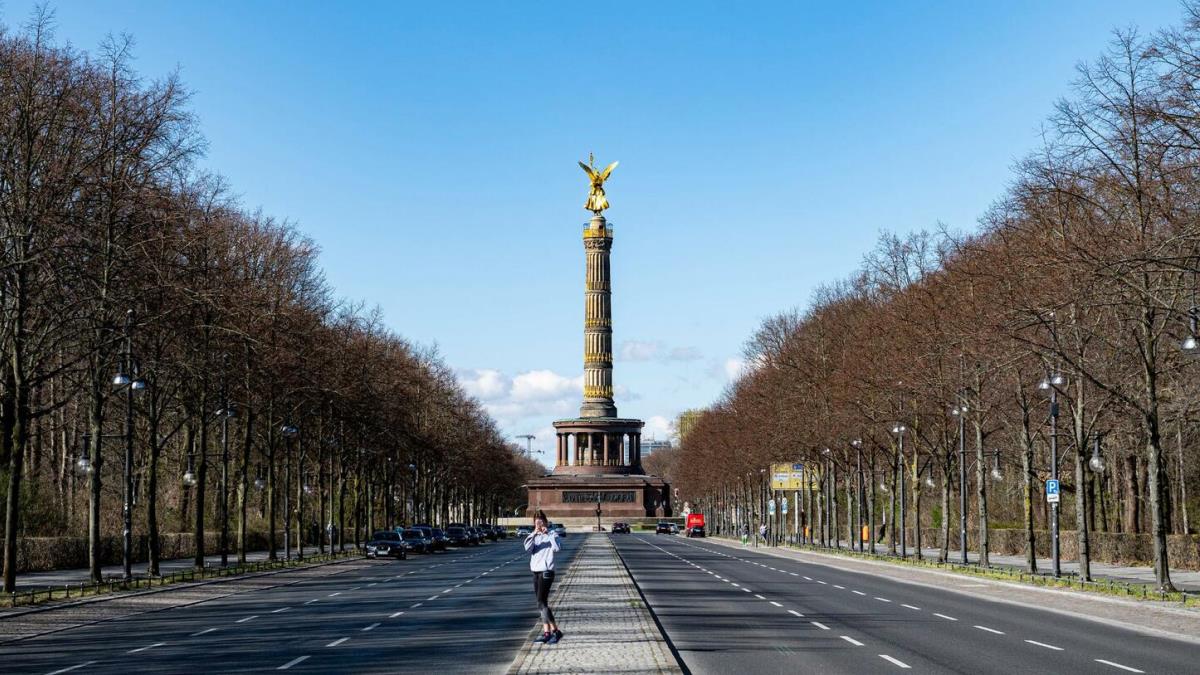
[1043,644]
[898,662]
[990,630]
[203,632]
[820,625]
[858,592]
[734,583]
[371,627]
[792,611]
[793,574]
[1117,665]
[432,597]
[759,596]
[948,618]
[746,589]
[822,582]
[356,588]
[337,642]
[852,641]
[839,587]
[416,605]
[395,615]
[142,649]
[911,607]
[281,609]
[370,585]
[776,603]
[291,663]
[249,618]
[808,578]
[333,594]
[882,599]
[67,670]
[312,601]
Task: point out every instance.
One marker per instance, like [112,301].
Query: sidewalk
[606,625]
[59,578]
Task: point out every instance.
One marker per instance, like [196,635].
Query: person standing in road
[542,544]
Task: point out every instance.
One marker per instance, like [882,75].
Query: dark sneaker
[558,635]
[553,640]
[544,637]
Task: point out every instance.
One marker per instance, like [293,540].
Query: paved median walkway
[607,627]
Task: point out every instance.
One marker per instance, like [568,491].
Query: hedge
[1183,550]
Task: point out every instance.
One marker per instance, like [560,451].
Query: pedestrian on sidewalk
[745,535]
[541,544]
[762,532]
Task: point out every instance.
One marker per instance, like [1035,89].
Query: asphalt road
[466,610]
[728,610]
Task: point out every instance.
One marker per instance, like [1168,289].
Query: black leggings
[541,588]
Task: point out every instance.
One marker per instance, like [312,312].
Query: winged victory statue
[596,201]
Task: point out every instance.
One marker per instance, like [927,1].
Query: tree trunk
[1133,501]
[981,495]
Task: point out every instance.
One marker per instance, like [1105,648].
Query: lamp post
[857,445]
[960,411]
[899,429]
[289,432]
[1051,384]
[126,379]
[225,413]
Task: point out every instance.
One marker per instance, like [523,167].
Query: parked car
[674,528]
[427,530]
[440,540]
[501,532]
[695,531]
[559,529]
[472,536]
[388,544]
[456,535]
[663,527]
[487,531]
[524,530]
[620,528]
[416,539]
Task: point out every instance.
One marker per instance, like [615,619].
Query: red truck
[695,525]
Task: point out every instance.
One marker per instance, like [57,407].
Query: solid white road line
[337,642]
[911,607]
[1043,644]
[990,630]
[281,609]
[371,627]
[776,604]
[249,618]
[142,649]
[792,611]
[898,662]
[395,615]
[852,641]
[203,632]
[948,618]
[1117,665]
[67,670]
[291,663]
[820,625]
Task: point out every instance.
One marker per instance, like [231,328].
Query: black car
[524,530]
[440,540]
[457,536]
[695,531]
[501,532]
[663,528]
[427,530]
[620,528]
[386,544]
[416,538]
[487,531]
[474,536]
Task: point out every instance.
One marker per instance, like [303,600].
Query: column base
[591,409]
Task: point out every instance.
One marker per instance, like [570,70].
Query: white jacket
[542,548]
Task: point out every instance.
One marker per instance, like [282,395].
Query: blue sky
[430,150]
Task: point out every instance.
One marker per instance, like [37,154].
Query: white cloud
[545,385]
[659,428]
[486,384]
[733,368]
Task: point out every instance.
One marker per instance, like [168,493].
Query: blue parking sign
[1052,493]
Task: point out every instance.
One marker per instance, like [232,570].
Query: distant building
[648,447]
[686,421]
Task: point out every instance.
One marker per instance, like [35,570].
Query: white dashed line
[67,670]
[206,631]
[371,627]
[1043,644]
[1117,665]
[808,578]
[898,662]
[776,603]
[948,618]
[794,612]
[911,607]
[156,644]
[291,663]
[820,625]
[249,618]
[333,594]
[990,630]
[746,589]
[858,592]
[395,615]
[822,582]
[735,584]
[839,587]
[432,597]
[882,599]
[793,574]
[337,642]
[280,610]
[416,605]
[852,641]
[759,596]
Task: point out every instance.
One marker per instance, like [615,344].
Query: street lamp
[899,429]
[126,379]
[857,445]
[260,480]
[1191,344]
[1097,462]
[189,476]
[1051,384]
[960,411]
[227,411]
[289,432]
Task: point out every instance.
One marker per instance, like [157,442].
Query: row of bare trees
[241,382]
[1082,282]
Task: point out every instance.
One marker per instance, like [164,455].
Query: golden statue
[596,201]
